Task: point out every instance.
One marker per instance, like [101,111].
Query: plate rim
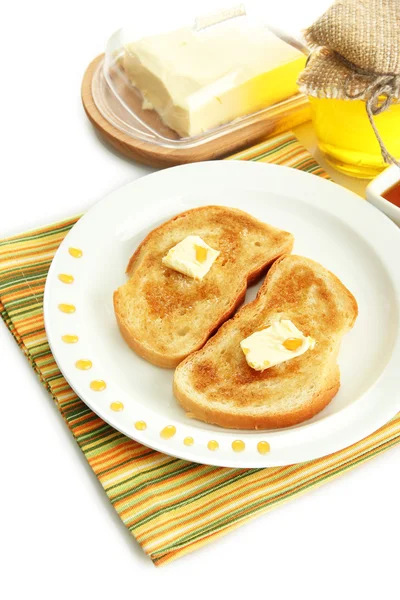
[183,452]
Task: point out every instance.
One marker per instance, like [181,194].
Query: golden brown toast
[165,315]
[216,384]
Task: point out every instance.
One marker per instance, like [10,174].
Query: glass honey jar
[352,78]
[346,138]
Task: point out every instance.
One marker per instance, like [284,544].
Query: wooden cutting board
[268,123]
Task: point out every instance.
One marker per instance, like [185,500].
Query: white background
[59,535]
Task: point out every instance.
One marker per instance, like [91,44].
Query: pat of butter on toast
[275,344]
[192,257]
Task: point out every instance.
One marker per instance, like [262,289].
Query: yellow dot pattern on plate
[188,441]
[66,278]
[117,406]
[168,432]
[238,446]
[140,425]
[84,364]
[75,252]
[263,447]
[98,385]
[213,445]
[67,308]
[69,339]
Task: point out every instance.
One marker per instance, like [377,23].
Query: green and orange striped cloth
[170,506]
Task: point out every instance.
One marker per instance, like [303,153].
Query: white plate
[330,224]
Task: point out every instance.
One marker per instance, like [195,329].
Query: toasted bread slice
[216,384]
[164,315]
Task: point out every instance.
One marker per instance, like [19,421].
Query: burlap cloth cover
[356,56]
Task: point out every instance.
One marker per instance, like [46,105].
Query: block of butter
[275,344]
[197,80]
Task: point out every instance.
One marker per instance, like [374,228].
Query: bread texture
[164,315]
[217,386]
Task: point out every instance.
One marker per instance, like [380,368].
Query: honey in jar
[346,138]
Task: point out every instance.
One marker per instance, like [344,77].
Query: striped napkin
[170,506]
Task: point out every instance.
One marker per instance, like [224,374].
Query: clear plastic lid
[187,85]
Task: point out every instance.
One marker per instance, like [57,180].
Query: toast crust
[171,299]
[278,421]
[217,386]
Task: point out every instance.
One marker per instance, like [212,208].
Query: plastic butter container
[215,82]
